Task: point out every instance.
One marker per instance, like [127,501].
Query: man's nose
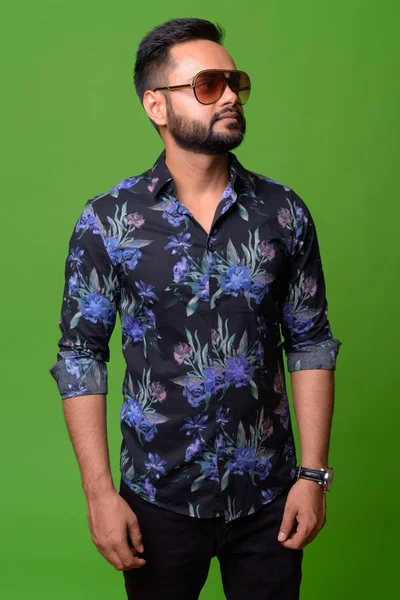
[229,97]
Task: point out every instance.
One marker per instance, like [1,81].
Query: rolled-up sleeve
[307,336]
[88,311]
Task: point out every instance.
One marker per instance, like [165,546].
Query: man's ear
[155,106]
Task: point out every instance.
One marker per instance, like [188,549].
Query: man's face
[194,126]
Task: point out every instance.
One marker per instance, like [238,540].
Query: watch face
[330,478]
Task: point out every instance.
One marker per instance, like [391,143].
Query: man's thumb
[286,525]
[136,537]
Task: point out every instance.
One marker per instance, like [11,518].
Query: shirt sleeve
[307,337]
[88,312]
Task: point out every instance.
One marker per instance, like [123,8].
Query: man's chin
[232,141]
[225,146]
[217,144]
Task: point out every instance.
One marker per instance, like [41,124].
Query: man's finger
[123,560]
[287,523]
[298,539]
[127,557]
[135,535]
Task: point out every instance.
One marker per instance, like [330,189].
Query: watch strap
[312,474]
[317,475]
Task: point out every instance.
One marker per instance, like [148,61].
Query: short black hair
[153,58]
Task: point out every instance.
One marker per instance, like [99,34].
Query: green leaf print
[242,211]
[231,254]
[197,483]
[75,320]
[192,306]
[241,435]
[94,281]
[224,480]
[254,389]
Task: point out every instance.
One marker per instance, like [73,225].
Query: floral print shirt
[205,422]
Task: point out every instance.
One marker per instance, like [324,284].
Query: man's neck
[197,176]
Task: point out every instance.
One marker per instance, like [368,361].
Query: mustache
[231,109]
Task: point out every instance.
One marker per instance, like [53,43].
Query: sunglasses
[209,85]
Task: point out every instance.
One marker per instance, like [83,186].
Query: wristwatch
[322,476]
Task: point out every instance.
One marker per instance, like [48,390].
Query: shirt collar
[161,175]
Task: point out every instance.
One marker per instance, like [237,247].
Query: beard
[196,137]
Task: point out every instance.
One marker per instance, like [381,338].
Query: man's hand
[304,515]
[111,521]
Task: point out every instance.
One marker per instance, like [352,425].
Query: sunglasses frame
[192,84]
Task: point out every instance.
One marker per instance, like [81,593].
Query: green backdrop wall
[323,119]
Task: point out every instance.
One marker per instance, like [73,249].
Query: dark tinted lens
[208,86]
[239,82]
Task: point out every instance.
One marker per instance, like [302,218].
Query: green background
[323,119]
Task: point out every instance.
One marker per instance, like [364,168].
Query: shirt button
[211,247]
[217,301]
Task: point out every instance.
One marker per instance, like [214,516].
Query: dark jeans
[178,550]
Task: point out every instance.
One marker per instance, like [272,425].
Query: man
[204,261]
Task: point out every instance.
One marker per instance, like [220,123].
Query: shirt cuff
[321,355]
[79,374]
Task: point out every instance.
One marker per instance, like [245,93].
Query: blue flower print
[73,284]
[302,323]
[114,251]
[75,257]
[202,287]
[144,291]
[209,468]
[239,371]
[148,430]
[243,461]
[126,184]
[211,263]
[258,291]
[222,416]
[149,316]
[220,443]
[73,367]
[236,280]
[96,308]
[287,315]
[228,204]
[131,412]
[300,216]
[228,198]
[214,382]
[148,489]
[262,326]
[195,393]
[181,269]
[130,257]
[193,450]
[298,322]
[178,243]
[132,329]
[195,426]
[86,221]
[262,468]
[76,389]
[267,496]
[173,213]
[155,465]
